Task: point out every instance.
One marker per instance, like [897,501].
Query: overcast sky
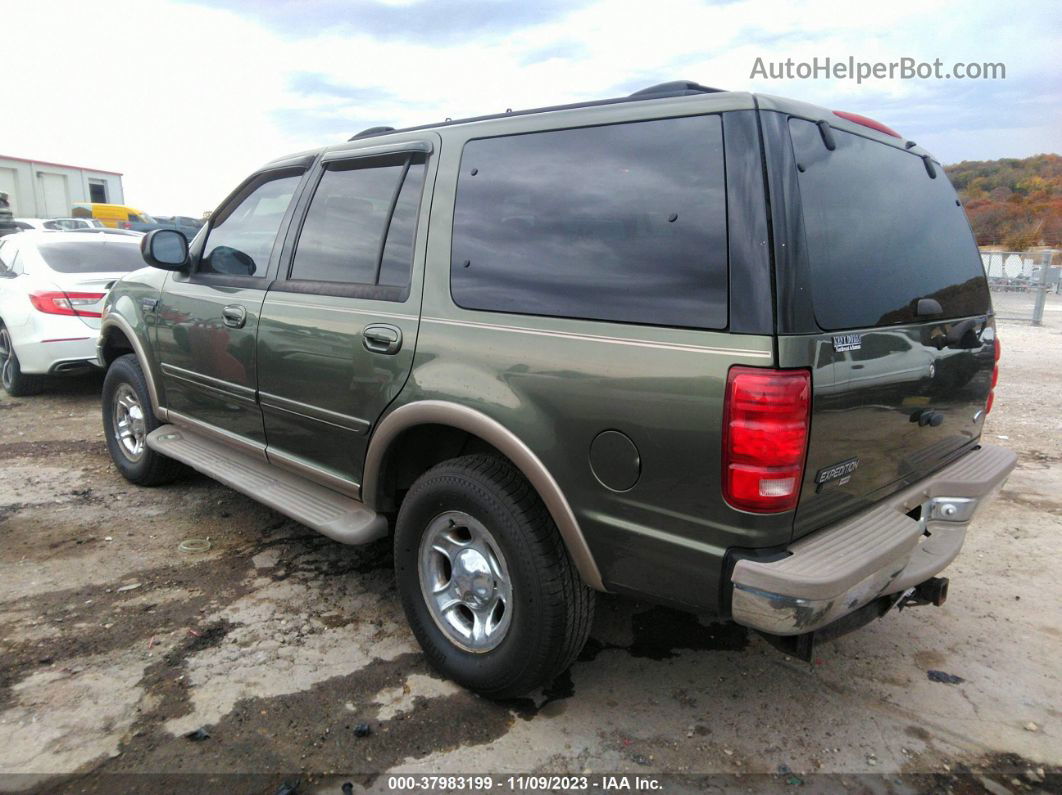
[185,97]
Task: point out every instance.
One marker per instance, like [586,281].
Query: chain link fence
[1025,284]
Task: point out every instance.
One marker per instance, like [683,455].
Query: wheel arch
[117,337]
[436,416]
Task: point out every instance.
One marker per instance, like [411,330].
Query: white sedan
[52,286]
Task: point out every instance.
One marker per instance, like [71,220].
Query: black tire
[552,607]
[15,382]
[150,468]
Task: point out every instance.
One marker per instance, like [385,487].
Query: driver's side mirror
[166,249]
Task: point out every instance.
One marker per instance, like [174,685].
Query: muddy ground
[277,644]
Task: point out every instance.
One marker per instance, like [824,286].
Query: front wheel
[485,581]
[127,421]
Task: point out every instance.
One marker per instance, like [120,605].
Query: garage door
[56,199]
[9,186]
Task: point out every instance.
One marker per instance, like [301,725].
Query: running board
[340,518]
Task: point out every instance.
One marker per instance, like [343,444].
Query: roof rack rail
[370,132]
[674,88]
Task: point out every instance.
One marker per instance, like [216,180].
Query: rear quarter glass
[621,222]
[881,233]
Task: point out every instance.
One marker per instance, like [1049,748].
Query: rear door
[903,359]
[207,319]
[339,326]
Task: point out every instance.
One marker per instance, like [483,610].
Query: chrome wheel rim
[130,429]
[7,359]
[465,582]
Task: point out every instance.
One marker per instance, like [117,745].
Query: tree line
[1011,202]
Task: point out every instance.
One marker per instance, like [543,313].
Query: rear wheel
[127,421]
[485,580]
[15,382]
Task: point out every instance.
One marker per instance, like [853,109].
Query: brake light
[995,377]
[124,225]
[60,303]
[766,415]
[865,122]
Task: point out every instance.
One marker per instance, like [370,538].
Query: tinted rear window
[85,257]
[881,234]
[625,222]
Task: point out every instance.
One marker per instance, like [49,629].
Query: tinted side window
[398,251]
[359,228]
[624,222]
[242,237]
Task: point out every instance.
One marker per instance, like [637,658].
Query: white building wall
[39,189]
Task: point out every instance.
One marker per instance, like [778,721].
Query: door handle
[382,338]
[234,316]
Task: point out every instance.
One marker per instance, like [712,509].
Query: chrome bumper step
[881,551]
[340,518]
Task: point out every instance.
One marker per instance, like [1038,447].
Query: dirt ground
[277,643]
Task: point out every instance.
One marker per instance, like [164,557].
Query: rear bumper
[61,349]
[878,552]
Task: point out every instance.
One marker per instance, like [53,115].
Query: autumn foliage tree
[1015,203]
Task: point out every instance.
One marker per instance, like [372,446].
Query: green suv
[726,352]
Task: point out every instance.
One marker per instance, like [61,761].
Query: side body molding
[438,412]
[113,319]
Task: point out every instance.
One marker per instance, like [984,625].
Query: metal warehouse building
[39,189]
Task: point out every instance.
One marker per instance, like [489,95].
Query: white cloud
[187,99]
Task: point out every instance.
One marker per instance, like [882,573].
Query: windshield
[92,257]
[881,234]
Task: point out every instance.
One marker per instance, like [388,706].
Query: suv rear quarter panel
[557,383]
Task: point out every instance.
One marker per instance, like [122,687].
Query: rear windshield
[882,234]
[95,257]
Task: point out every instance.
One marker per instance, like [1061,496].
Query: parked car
[188,226]
[57,224]
[71,224]
[112,215]
[570,350]
[52,286]
[31,224]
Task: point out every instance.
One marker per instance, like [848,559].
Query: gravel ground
[278,643]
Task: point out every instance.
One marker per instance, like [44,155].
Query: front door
[207,319]
[339,328]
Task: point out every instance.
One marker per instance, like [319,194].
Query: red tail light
[60,303]
[124,225]
[995,378]
[765,437]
